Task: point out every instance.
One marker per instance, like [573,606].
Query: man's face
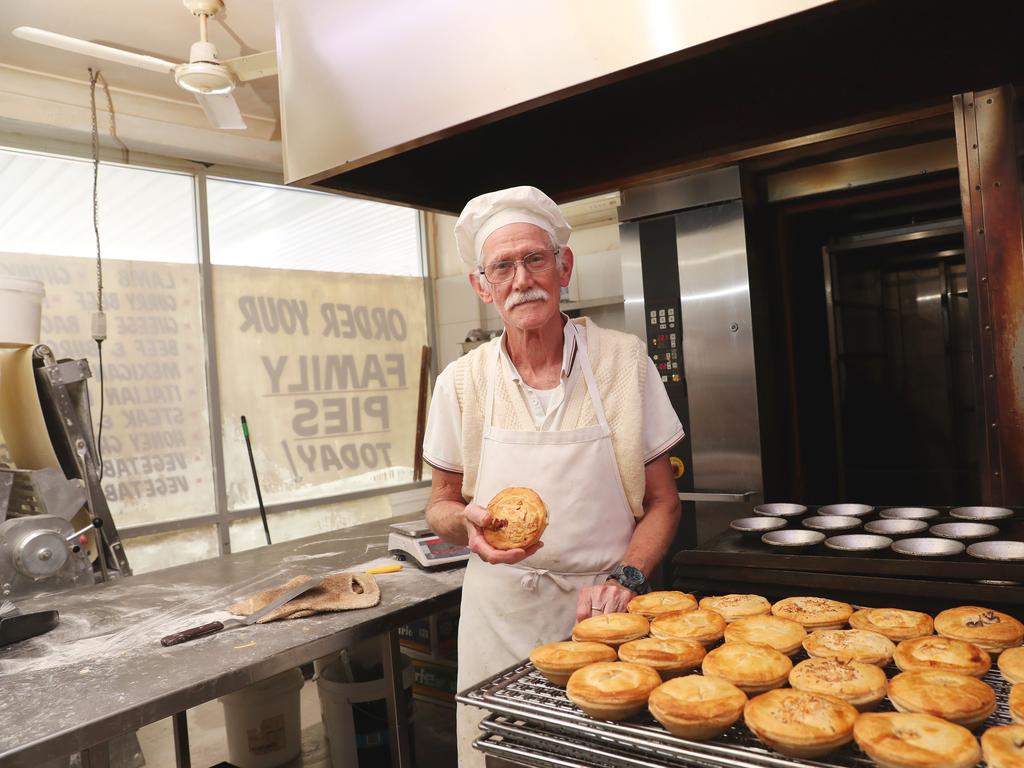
[530,299]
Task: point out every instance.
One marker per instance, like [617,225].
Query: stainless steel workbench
[102,671]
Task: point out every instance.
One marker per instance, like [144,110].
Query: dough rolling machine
[56,530]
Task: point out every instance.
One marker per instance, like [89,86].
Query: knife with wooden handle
[217,626]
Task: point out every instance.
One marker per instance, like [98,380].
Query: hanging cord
[99,319]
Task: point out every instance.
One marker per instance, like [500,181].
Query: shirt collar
[569,344]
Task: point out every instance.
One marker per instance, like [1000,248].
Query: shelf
[606,301]
[412,653]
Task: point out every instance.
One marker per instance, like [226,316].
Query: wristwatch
[631,578]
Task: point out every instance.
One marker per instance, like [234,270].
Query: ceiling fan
[209,79]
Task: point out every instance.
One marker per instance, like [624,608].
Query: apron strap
[495,369]
[588,374]
[530,576]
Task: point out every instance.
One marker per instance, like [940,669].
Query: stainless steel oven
[687,292]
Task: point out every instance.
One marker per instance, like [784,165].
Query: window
[155,440]
[319,318]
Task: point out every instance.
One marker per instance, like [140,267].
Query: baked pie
[697,707]
[518,518]
[850,645]
[556,661]
[751,668]
[784,635]
[612,629]
[1003,746]
[733,607]
[814,612]
[798,723]
[706,627]
[960,699]
[990,630]
[895,623]
[860,684]
[611,690]
[908,740]
[655,604]
[670,658]
[1017,703]
[1011,664]
[942,653]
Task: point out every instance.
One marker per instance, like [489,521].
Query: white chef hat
[486,213]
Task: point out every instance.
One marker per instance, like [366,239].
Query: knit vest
[619,361]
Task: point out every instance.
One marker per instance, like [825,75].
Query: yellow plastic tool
[385,569]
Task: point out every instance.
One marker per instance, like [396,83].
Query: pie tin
[757,526]
[1005,551]
[963,531]
[909,513]
[832,523]
[780,509]
[793,538]
[857,543]
[894,527]
[847,510]
[927,546]
[981,514]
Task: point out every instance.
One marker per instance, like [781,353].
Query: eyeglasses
[505,270]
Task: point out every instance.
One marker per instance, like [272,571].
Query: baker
[576,412]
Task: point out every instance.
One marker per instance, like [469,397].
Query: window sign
[318,352]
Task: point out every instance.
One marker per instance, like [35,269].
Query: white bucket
[262,722]
[21,309]
[336,700]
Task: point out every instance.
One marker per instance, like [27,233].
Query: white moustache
[521,297]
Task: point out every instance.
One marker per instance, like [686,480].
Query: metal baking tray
[528,744]
[540,719]
[729,549]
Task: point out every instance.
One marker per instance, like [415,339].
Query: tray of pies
[864,687]
[980,543]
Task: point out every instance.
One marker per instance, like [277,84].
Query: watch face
[633,575]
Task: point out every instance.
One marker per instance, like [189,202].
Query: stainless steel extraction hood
[429,103]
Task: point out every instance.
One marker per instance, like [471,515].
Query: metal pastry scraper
[216,626]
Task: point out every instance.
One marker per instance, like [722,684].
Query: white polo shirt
[442,442]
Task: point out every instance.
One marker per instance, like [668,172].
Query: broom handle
[421,415]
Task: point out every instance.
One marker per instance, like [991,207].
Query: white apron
[508,610]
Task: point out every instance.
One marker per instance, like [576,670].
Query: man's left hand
[610,597]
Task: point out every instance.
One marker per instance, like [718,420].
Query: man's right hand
[477,520]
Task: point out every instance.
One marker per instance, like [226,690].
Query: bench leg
[181,753]
[398,715]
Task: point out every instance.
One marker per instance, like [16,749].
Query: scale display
[416,542]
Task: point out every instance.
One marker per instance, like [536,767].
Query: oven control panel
[664,341]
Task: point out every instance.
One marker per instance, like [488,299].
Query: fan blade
[254,66]
[221,110]
[95,50]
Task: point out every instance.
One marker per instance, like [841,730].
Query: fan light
[202,77]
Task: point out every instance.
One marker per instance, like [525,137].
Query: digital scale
[416,542]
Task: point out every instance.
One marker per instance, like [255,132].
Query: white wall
[457,308]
